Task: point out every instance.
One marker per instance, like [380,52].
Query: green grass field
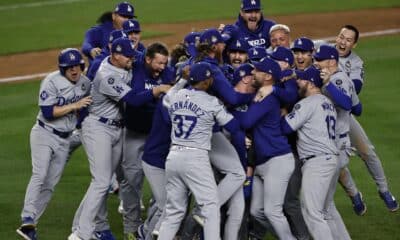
[29,28]
[380,119]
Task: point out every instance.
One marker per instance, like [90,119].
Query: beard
[256,84]
[303,90]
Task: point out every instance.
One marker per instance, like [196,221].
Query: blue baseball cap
[125,9]
[124,46]
[248,5]
[199,72]
[241,72]
[115,34]
[270,66]
[238,45]
[325,52]
[190,41]
[311,74]
[211,36]
[283,54]
[131,25]
[257,53]
[303,44]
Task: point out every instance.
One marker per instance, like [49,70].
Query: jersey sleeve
[221,114]
[47,93]
[301,112]
[357,70]
[114,87]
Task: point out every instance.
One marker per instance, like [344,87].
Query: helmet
[70,57]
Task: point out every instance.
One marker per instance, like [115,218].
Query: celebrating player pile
[255,134]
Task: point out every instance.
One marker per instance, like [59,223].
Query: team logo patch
[214,39]
[299,42]
[297,106]
[238,44]
[208,73]
[44,95]
[339,82]
[71,56]
[83,87]
[131,24]
[111,81]
[129,9]
[118,48]
[242,73]
[255,52]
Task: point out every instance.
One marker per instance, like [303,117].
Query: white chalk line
[41,75]
[36,4]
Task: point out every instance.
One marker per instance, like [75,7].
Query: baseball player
[193,113]
[224,157]
[62,94]
[256,53]
[314,120]
[97,37]
[236,53]
[352,65]
[250,25]
[274,159]
[132,28]
[287,92]
[345,99]
[279,36]
[303,49]
[105,52]
[102,136]
[150,72]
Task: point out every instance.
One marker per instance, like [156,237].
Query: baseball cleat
[104,235]
[390,201]
[73,236]
[27,222]
[28,233]
[198,219]
[155,233]
[121,207]
[359,206]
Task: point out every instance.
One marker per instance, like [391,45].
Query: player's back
[193,114]
[317,135]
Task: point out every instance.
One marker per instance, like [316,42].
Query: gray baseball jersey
[344,84]
[193,114]
[49,151]
[314,118]
[352,65]
[109,86]
[56,90]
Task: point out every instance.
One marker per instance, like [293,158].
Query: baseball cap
[114,35]
[241,72]
[123,46]
[211,36]
[199,72]
[125,9]
[270,66]
[190,41]
[131,25]
[283,54]
[248,5]
[303,44]
[311,74]
[325,52]
[238,45]
[257,53]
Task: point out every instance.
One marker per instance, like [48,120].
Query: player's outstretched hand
[262,93]
[163,88]
[248,142]
[84,102]
[94,52]
[221,27]
[325,75]
[186,72]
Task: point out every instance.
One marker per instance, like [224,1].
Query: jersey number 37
[184,125]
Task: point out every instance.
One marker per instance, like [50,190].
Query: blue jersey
[139,119]
[222,88]
[97,37]
[158,142]
[258,38]
[264,119]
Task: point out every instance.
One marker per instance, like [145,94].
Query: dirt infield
[310,25]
